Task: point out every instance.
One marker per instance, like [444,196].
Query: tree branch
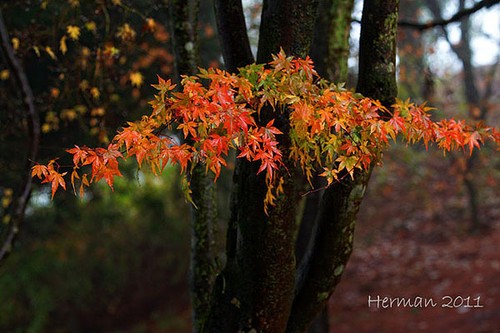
[20,201]
[456,17]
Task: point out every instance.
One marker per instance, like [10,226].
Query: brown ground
[426,250]
[413,239]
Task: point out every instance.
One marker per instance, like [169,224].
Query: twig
[456,17]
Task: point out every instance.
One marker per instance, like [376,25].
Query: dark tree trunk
[330,53]
[377,51]
[184,20]
[258,288]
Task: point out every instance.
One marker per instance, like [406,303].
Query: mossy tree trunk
[330,53]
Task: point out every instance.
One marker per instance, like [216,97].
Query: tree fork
[261,261]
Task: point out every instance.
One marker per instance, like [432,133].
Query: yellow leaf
[15,43]
[95,92]
[68,114]
[84,85]
[90,26]
[98,112]
[37,50]
[44,4]
[126,33]
[73,32]
[136,78]
[150,24]
[46,128]
[4,75]
[74,3]
[50,52]
[62,45]
[117,2]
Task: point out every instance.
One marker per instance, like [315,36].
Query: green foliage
[111,264]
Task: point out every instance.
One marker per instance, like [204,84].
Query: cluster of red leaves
[331,129]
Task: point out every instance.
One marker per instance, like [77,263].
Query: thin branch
[456,17]
[19,203]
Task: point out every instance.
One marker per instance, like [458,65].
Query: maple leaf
[94,91]
[39,170]
[397,122]
[136,78]
[79,155]
[15,43]
[56,179]
[329,127]
[349,163]
[73,32]
[50,52]
[473,139]
[62,45]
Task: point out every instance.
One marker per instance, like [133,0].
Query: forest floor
[413,243]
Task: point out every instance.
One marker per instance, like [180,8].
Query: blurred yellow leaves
[51,122]
[62,45]
[49,51]
[4,74]
[150,24]
[69,114]
[7,197]
[97,112]
[91,26]
[95,92]
[73,32]
[126,33]
[84,85]
[15,43]
[136,78]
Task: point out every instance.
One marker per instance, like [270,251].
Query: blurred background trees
[112,263]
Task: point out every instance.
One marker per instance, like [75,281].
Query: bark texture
[256,288]
[377,51]
[330,49]
[330,52]
[259,289]
[184,18]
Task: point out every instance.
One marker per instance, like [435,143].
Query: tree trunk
[257,289]
[330,53]
[184,20]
